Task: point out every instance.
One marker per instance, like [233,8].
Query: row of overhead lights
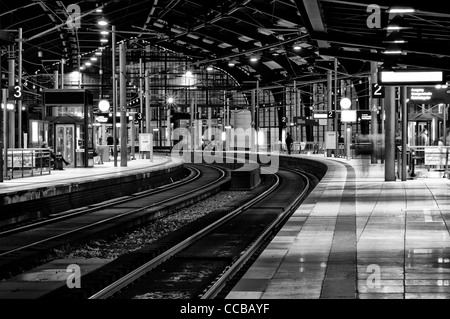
[102,23]
[394,28]
[254,59]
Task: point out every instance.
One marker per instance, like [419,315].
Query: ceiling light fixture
[102,22]
[395,37]
[393,49]
[401,10]
[103,40]
[397,23]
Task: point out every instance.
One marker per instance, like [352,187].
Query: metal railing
[26,162]
[424,158]
[308,147]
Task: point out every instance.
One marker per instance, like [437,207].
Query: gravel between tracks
[112,248]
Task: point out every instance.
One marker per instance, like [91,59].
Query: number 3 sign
[15,92]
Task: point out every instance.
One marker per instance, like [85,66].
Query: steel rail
[219,284]
[103,221]
[118,285]
[102,205]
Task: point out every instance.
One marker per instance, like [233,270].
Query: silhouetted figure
[289,142]
[424,136]
[110,143]
[56,159]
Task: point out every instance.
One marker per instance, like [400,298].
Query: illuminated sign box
[410,77]
[432,94]
[364,115]
[320,115]
[348,116]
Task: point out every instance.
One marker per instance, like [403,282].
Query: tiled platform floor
[357,236]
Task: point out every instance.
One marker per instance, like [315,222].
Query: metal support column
[335,107]
[114,129]
[197,127]
[141,102]
[255,144]
[132,137]
[389,167]
[148,112]
[62,73]
[382,124]
[329,102]
[19,103]
[56,79]
[444,114]
[374,109]
[11,117]
[404,129]
[123,106]
[168,130]
[3,135]
[192,127]
[252,120]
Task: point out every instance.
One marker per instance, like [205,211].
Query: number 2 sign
[377,91]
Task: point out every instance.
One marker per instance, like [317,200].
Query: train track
[194,174]
[21,246]
[202,264]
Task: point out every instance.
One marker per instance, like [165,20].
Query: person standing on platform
[98,152]
[424,137]
[289,142]
[110,143]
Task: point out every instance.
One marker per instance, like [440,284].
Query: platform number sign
[138,118]
[331,114]
[377,91]
[15,92]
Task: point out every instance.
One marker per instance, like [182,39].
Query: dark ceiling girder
[220,39]
[312,18]
[234,28]
[275,12]
[199,26]
[421,47]
[410,60]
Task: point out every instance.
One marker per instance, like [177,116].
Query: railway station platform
[82,174]
[358,237]
[66,189]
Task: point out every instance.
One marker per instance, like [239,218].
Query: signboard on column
[433,94]
[146,144]
[330,140]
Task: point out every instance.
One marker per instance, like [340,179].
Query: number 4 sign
[377,91]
